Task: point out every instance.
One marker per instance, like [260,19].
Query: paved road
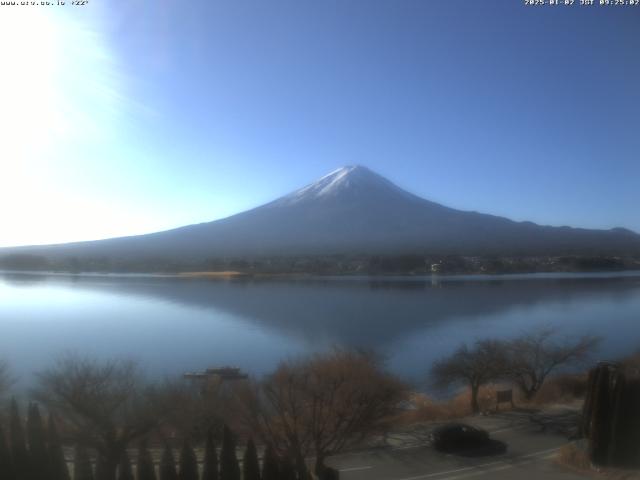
[532,442]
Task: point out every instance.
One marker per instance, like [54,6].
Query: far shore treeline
[339,264]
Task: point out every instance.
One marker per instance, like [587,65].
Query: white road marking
[409,447]
[504,464]
[429,475]
[355,469]
[535,454]
[495,469]
[506,429]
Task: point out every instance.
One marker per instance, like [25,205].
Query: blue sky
[126,117]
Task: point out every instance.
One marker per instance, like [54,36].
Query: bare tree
[322,405]
[631,365]
[107,404]
[194,410]
[471,366]
[5,387]
[533,356]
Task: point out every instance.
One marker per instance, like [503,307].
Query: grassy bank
[559,390]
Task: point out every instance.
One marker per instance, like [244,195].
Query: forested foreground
[37,453]
[103,420]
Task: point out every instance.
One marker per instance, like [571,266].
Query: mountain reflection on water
[175,324]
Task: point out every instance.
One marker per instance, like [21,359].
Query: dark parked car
[465,440]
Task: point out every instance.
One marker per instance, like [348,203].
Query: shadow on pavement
[491,447]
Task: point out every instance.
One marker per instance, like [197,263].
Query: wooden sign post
[504,396]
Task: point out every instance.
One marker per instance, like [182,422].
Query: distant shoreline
[352,264]
[235,275]
[229,274]
[184,275]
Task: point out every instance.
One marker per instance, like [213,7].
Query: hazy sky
[130,116]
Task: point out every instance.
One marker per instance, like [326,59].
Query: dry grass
[561,389]
[572,456]
[429,410]
[631,365]
[564,388]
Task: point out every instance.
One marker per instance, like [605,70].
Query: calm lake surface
[173,325]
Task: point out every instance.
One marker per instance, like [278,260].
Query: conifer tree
[58,469]
[146,471]
[19,453]
[210,466]
[599,432]
[229,468]
[168,465]
[125,472]
[270,467]
[6,465]
[250,466]
[188,463]
[107,403]
[103,469]
[37,444]
[82,465]
[587,407]
[625,451]
[287,470]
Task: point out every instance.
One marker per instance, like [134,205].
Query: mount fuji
[352,210]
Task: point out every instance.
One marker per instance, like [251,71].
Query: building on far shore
[214,377]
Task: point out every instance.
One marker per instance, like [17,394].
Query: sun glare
[30,50]
[58,88]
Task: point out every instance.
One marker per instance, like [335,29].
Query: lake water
[173,325]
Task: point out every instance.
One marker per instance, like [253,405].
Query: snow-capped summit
[351,181]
